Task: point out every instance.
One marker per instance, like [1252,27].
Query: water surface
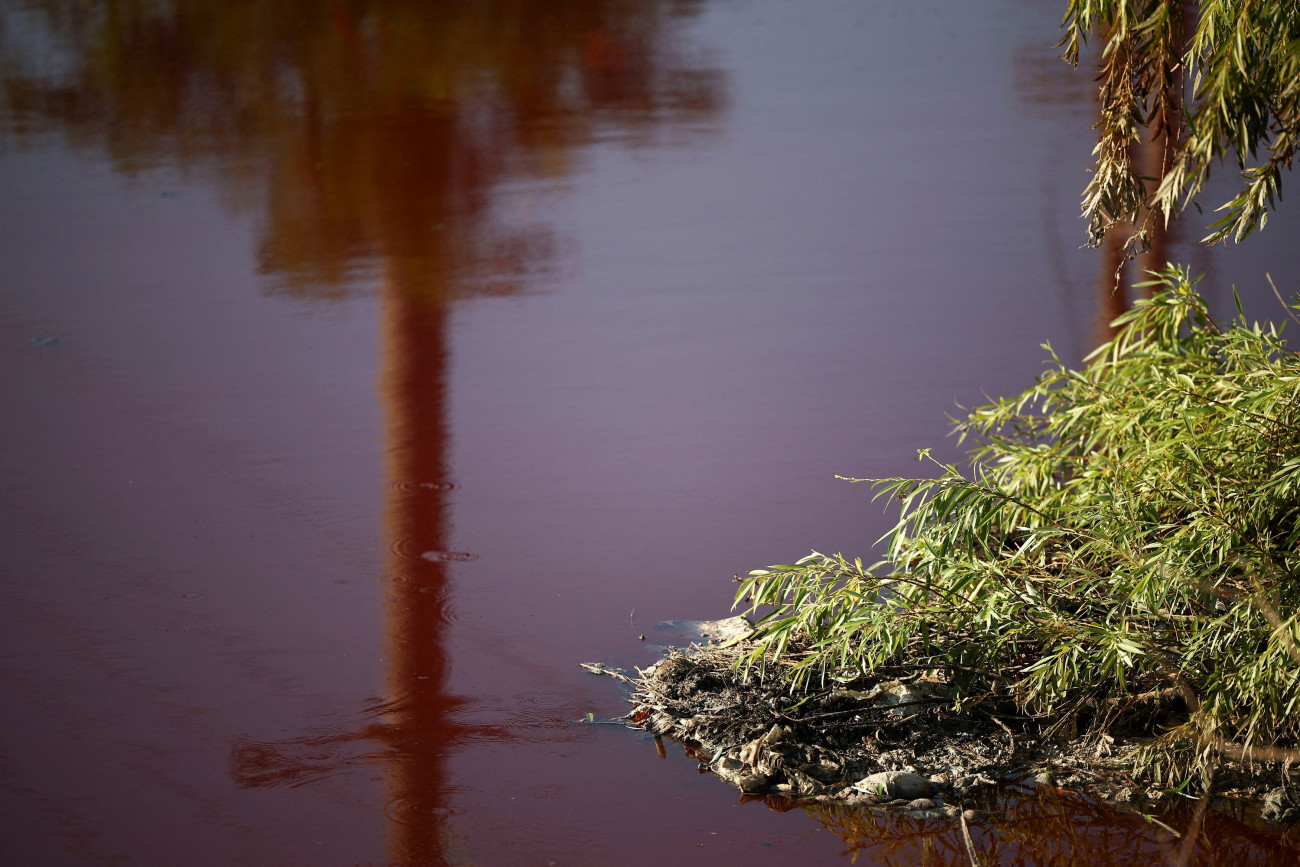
[371,364]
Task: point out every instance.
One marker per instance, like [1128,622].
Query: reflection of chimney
[415,725]
[1119,276]
[1112,287]
[1151,159]
[419,723]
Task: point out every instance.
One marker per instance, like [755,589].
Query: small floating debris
[45,341]
[724,631]
[449,556]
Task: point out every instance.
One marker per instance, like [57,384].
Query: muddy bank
[899,742]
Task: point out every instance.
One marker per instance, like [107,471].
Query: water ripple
[545,699]
[404,548]
[408,548]
[408,810]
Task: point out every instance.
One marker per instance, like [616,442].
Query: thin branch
[1279,297]
[970,844]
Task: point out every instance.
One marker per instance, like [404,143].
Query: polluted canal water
[368,365]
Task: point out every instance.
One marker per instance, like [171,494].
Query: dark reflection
[373,138]
[412,730]
[1126,267]
[418,606]
[1023,823]
[363,131]
[1024,826]
[1050,87]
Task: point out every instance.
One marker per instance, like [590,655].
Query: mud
[896,741]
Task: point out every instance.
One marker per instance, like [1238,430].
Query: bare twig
[1188,846]
[1154,696]
[970,844]
[1275,620]
[1262,754]
[1279,296]
[1010,737]
[601,668]
[863,709]
[1154,821]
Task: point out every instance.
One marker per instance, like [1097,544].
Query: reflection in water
[1123,268]
[364,132]
[419,600]
[1048,85]
[1026,824]
[380,144]
[1053,827]
[371,138]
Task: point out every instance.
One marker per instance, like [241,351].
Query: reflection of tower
[1112,283]
[373,135]
[416,725]
[1120,273]
[1048,86]
[1151,158]
[419,730]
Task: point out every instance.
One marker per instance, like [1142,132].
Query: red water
[369,365]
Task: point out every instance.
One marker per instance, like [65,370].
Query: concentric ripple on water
[406,810]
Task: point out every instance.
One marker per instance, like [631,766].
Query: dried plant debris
[897,741]
[705,631]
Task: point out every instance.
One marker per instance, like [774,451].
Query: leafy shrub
[1209,82]
[1125,531]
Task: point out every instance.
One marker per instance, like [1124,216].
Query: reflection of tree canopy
[372,128]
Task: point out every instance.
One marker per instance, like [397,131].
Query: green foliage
[1127,530]
[1210,79]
